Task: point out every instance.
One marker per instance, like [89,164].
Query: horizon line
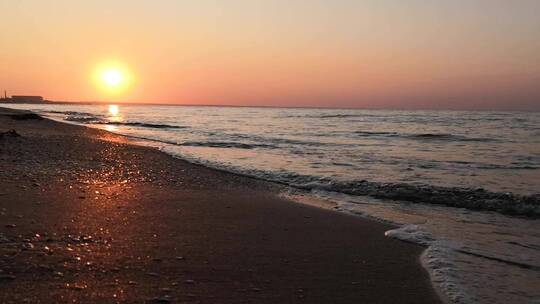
[131,103]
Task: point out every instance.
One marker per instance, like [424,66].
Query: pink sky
[368,54]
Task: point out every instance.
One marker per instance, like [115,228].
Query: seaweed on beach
[25,116]
[9,134]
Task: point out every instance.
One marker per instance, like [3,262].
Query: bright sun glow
[112,78]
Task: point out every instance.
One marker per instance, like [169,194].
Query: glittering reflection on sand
[106,214]
[109,169]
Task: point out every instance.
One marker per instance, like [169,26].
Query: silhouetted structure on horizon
[26,99]
[21,99]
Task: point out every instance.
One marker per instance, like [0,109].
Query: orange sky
[481,54]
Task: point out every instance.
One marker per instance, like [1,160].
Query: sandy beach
[88,217]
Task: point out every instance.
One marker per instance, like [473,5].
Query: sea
[465,184]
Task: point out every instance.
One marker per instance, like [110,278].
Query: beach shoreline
[87,216]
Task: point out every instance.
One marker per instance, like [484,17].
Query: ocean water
[464,184]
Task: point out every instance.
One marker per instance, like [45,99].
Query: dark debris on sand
[9,134]
[25,116]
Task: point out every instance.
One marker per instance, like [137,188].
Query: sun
[112,78]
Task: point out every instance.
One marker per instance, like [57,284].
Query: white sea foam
[472,257]
[437,259]
[411,233]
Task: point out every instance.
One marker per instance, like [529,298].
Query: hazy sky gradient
[479,54]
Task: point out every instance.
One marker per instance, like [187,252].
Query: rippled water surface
[412,168]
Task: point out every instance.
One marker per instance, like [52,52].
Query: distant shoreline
[50,102]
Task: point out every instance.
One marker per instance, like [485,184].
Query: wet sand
[87,217]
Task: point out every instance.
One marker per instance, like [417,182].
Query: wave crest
[474,199]
[422,136]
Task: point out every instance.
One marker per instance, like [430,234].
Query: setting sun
[112,78]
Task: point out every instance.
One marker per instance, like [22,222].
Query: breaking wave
[459,197]
[140,124]
[86,118]
[225,145]
[473,199]
[423,136]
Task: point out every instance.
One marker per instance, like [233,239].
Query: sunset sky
[475,54]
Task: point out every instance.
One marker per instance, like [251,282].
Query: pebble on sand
[27,246]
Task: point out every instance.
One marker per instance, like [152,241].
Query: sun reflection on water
[111,128]
[114,115]
[114,110]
